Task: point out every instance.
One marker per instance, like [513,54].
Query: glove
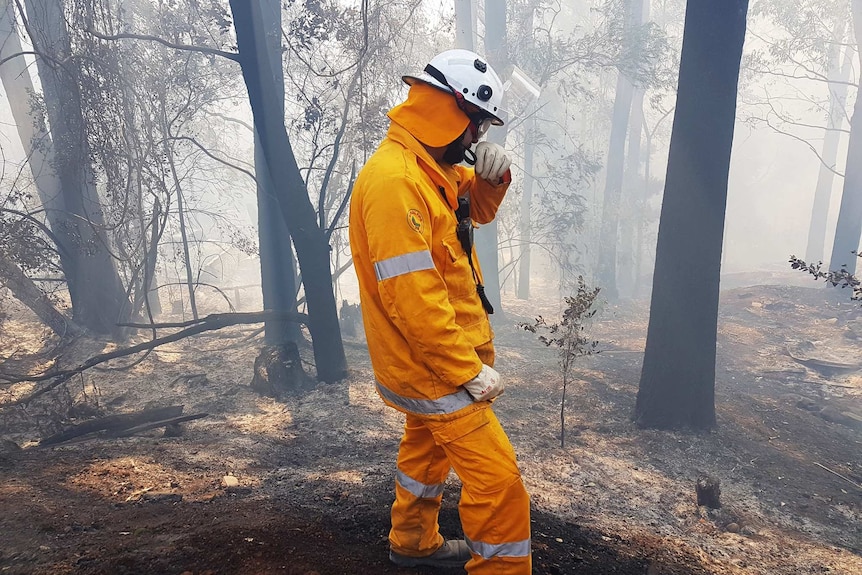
[492,161]
[487,385]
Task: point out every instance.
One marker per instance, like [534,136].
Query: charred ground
[314,472]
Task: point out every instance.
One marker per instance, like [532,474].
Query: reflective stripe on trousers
[494,507]
[487,550]
[418,489]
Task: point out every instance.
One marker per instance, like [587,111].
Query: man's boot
[452,554]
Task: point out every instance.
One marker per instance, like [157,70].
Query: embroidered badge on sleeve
[414,219]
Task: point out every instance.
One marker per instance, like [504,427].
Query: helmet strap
[439,76]
[459,97]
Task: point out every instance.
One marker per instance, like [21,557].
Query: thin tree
[181,207]
[525,219]
[465,24]
[837,76]
[569,335]
[608,235]
[277,265]
[525,223]
[487,241]
[309,239]
[633,188]
[677,386]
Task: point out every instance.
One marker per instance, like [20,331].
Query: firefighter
[426,317]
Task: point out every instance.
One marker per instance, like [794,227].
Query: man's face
[479,124]
[454,153]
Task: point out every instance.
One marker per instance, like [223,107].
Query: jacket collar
[439,175]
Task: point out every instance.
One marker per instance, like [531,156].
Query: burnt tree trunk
[677,386]
[311,243]
[278,371]
[99,300]
[277,265]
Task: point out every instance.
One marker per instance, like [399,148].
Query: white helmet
[468,77]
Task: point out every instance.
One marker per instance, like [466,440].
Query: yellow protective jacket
[423,317]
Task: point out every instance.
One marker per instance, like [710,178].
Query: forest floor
[303,486]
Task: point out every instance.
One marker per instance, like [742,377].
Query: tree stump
[708,491]
[278,371]
[351,318]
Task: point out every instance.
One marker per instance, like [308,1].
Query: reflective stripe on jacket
[422,314]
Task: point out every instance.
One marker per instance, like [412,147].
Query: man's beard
[454,153]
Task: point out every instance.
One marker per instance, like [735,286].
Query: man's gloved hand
[486,385]
[492,161]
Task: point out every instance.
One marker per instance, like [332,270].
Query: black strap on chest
[464,230]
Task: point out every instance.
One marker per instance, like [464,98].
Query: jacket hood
[431,115]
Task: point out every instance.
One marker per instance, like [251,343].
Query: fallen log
[117,422]
[165,422]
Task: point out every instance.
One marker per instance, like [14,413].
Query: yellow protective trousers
[494,507]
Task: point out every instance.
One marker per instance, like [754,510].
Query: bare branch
[807,143]
[214,157]
[186,47]
[344,201]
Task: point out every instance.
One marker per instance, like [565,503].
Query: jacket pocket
[457,273]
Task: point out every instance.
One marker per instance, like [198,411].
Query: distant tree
[525,219]
[615,166]
[644,210]
[677,386]
[564,62]
[806,43]
[545,210]
[487,239]
[530,132]
[838,74]
[634,189]
[642,191]
[849,226]
[558,218]
[465,24]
